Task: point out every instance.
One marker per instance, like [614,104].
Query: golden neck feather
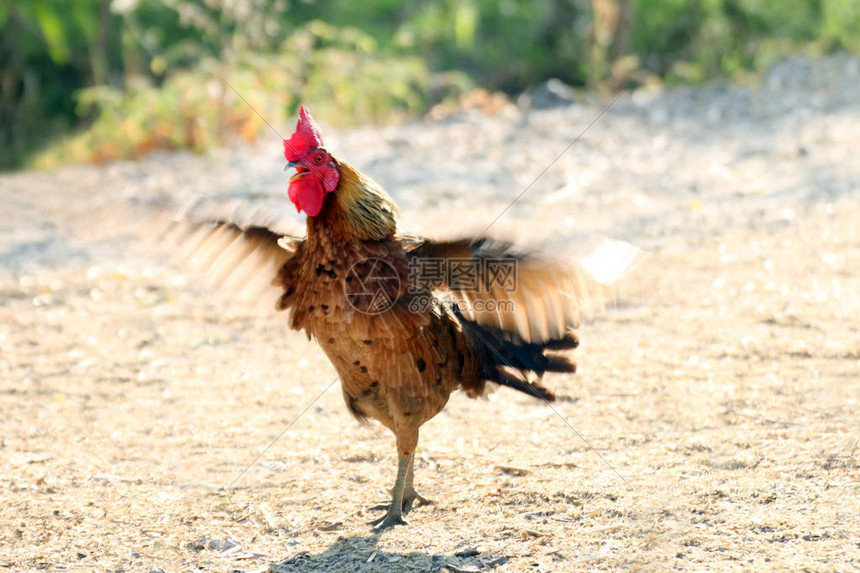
[358,210]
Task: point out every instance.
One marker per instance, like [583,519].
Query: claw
[414,498]
[388,520]
[410,500]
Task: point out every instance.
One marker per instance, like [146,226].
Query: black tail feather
[533,389]
[556,363]
[534,357]
[520,365]
[567,342]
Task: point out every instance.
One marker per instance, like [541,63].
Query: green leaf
[51,23]
[86,15]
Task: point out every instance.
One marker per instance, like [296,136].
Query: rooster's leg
[407,441]
[394,516]
[410,496]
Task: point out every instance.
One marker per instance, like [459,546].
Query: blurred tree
[43,50]
[113,56]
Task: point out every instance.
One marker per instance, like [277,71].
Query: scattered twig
[457,569]
[514,471]
[115,478]
[762,419]
[264,511]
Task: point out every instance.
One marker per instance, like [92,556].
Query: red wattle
[293,194]
[311,199]
[307,195]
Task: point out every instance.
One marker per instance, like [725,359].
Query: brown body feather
[397,366]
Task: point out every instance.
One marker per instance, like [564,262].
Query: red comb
[306,136]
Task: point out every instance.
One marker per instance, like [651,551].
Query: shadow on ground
[360,553]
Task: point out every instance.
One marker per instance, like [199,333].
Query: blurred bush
[119,78]
[339,71]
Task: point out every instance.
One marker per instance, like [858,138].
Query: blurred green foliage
[119,78]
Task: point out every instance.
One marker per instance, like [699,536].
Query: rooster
[403,338]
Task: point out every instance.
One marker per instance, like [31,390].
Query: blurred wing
[524,293]
[235,246]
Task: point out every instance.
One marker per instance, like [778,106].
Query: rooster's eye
[318,159]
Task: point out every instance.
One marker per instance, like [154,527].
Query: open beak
[301,170]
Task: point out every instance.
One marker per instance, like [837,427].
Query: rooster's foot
[410,498]
[390,519]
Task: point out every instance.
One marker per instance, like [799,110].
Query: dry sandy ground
[723,388]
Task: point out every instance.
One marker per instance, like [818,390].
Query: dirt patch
[722,389]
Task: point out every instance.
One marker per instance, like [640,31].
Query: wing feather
[548,297]
[234,246]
